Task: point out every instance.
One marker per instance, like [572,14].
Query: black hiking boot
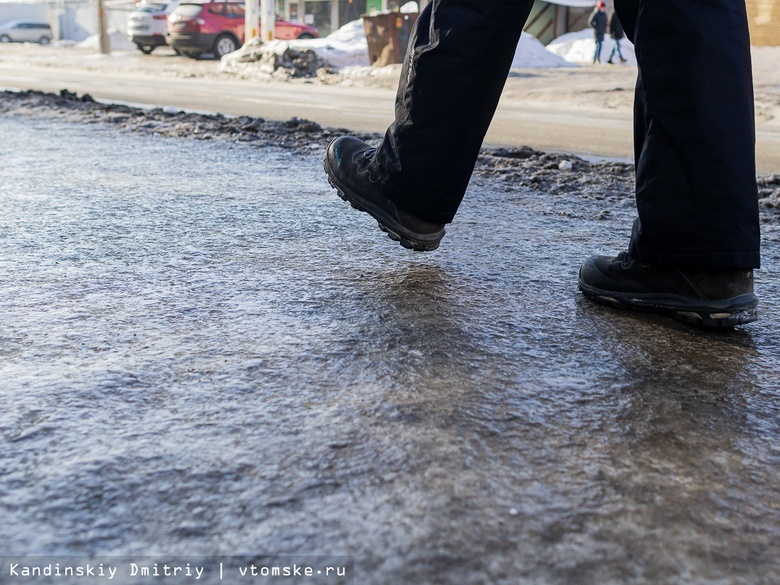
[712,298]
[346,163]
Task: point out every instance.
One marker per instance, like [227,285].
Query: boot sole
[392,228]
[727,313]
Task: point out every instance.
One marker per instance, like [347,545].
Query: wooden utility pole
[105,42]
[251,19]
[267,20]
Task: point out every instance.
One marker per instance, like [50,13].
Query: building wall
[764,18]
[16,11]
[548,20]
[542,21]
[578,19]
[763,15]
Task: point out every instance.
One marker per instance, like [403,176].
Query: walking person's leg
[619,51]
[696,240]
[459,56]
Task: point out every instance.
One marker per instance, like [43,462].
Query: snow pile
[579,47]
[118,40]
[532,53]
[346,51]
[280,59]
[344,48]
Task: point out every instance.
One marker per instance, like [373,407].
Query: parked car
[25,31]
[218,27]
[148,23]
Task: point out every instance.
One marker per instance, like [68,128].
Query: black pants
[693,121]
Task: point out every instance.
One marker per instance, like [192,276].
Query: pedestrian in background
[695,242]
[617,33]
[598,21]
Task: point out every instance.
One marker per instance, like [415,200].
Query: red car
[218,27]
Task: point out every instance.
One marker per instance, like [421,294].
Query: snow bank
[346,47]
[578,47]
[532,53]
[118,40]
[346,51]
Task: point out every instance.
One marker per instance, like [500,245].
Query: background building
[329,15]
[77,19]
[764,16]
[550,19]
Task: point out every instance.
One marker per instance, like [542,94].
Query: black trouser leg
[694,134]
[459,56]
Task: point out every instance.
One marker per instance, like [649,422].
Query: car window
[188,10]
[235,11]
[31,26]
[217,8]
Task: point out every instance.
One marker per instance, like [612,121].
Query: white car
[148,23]
[25,31]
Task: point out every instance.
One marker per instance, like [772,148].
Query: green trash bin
[387,36]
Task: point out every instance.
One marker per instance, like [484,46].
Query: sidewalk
[205,352]
[586,110]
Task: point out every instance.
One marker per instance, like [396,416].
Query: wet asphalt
[204,352]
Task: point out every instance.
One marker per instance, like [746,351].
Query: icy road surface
[205,352]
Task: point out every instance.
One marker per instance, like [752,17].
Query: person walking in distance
[598,22]
[617,33]
[695,242]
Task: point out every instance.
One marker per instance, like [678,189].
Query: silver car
[25,31]
[148,23]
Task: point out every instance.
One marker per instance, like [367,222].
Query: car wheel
[146,49]
[5,39]
[224,44]
[305,36]
[44,40]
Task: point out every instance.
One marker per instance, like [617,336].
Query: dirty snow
[347,48]
[344,48]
